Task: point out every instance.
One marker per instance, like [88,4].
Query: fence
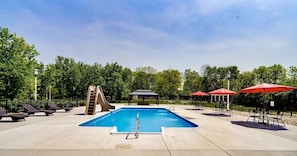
[17,104]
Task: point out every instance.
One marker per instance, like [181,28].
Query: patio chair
[278,118]
[13,116]
[253,114]
[216,109]
[229,112]
[56,107]
[32,110]
[264,117]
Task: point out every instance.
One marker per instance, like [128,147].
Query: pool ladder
[137,125]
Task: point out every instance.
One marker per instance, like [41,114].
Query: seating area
[264,117]
[278,118]
[253,114]
[13,116]
[216,109]
[221,109]
[56,107]
[32,110]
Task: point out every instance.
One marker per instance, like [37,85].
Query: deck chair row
[52,108]
[31,110]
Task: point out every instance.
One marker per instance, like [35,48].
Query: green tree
[292,76]
[210,78]
[262,74]
[192,82]
[127,85]
[246,79]
[277,74]
[90,75]
[168,83]
[140,80]
[68,77]
[147,69]
[117,81]
[216,77]
[144,78]
[63,68]
[48,81]
[16,65]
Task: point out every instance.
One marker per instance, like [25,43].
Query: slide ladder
[95,96]
[91,101]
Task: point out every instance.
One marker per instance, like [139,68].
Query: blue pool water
[151,120]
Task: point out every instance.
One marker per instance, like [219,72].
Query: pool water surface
[150,119]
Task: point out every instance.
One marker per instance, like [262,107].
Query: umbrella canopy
[222,91]
[199,93]
[265,88]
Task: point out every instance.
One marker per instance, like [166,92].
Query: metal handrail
[171,108]
[137,125]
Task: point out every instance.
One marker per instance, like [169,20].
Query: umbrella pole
[6,106]
[228,98]
[228,102]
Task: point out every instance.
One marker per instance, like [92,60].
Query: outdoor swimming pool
[151,120]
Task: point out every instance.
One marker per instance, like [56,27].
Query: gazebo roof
[142,92]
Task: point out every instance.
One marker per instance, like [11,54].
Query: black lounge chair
[32,110]
[56,107]
[13,116]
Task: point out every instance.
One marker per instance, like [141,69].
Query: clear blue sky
[164,34]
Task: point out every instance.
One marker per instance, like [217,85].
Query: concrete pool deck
[216,135]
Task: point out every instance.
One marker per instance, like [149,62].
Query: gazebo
[140,93]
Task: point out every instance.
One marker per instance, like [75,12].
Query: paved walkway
[216,135]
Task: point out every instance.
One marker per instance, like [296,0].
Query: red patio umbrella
[266,88]
[222,91]
[199,93]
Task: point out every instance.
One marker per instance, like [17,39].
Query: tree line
[67,78]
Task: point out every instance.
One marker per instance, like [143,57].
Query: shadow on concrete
[197,109]
[258,125]
[80,114]
[216,114]
[84,113]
